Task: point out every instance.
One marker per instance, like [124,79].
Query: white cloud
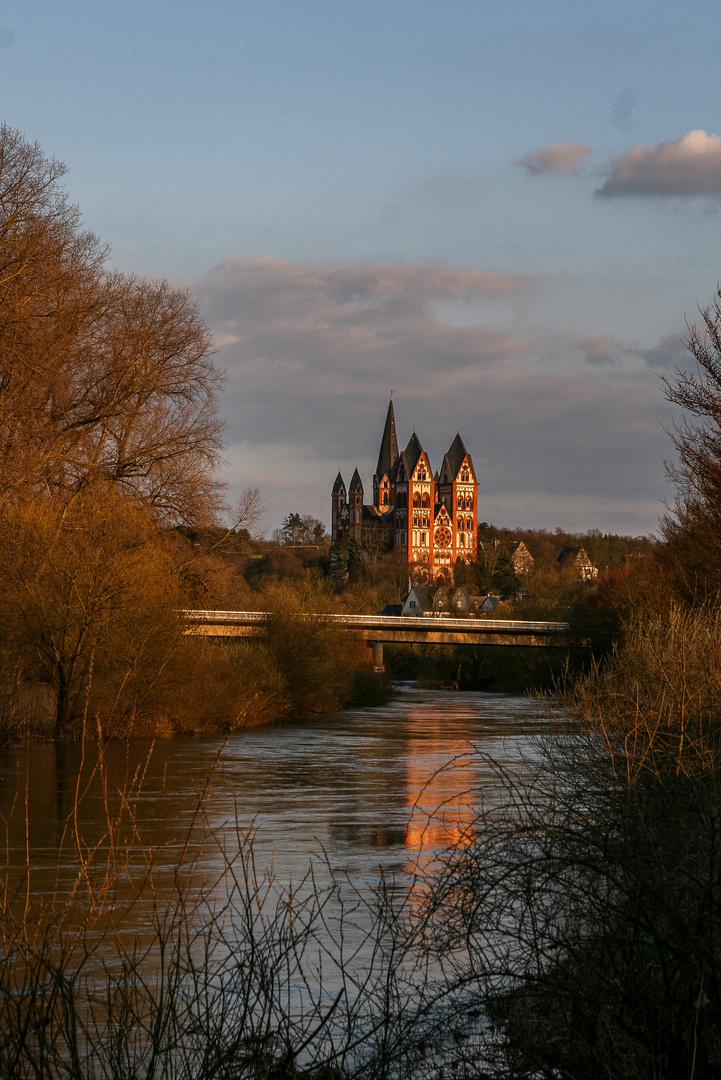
[685,167]
[555,158]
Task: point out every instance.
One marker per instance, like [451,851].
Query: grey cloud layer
[555,158]
[312,352]
[685,167]
[311,333]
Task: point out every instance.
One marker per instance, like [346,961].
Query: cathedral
[425,520]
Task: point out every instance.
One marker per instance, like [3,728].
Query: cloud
[669,353]
[602,349]
[312,351]
[555,158]
[687,167]
[296,337]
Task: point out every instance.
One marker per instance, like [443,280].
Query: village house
[578,559]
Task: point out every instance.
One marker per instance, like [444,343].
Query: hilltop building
[522,561]
[425,520]
[578,559]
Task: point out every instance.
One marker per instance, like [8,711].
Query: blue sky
[351,192]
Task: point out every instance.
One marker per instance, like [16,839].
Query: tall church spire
[389,444]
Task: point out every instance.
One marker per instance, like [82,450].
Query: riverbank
[205,687]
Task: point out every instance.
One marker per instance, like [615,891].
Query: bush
[576,924]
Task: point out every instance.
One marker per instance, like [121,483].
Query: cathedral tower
[355,499]
[458,491]
[426,521]
[339,508]
[382,485]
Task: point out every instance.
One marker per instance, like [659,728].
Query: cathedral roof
[376,513]
[389,445]
[339,485]
[455,455]
[411,453]
[356,484]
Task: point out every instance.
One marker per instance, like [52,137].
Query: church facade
[426,520]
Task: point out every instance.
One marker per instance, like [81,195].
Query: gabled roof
[411,454]
[574,553]
[453,459]
[356,484]
[389,445]
[339,485]
[421,594]
[522,561]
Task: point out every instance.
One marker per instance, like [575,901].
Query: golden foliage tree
[101,374]
[108,429]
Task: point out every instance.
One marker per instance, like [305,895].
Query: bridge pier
[378,664]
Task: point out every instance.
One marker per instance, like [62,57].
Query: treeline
[109,442]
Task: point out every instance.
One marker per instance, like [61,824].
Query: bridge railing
[385,622]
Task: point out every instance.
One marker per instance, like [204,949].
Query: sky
[505,213]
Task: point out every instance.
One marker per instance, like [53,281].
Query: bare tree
[693,529]
[248,510]
[101,374]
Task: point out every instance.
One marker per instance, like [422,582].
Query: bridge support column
[378,664]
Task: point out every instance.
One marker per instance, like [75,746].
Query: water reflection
[362,787]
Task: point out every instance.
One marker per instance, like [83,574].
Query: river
[361,789]
[355,794]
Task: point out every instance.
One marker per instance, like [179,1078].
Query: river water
[359,791]
[354,794]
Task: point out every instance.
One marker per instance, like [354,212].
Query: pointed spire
[389,444]
[412,452]
[356,483]
[454,458]
[339,485]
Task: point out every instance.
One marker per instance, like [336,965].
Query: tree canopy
[102,375]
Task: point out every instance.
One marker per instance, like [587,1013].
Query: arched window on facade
[460,502]
[385,498]
[426,499]
[416,500]
[465,474]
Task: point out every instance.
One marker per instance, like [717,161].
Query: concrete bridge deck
[379,629]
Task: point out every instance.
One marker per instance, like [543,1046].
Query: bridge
[380,629]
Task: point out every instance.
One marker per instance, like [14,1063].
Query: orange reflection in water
[440,793]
